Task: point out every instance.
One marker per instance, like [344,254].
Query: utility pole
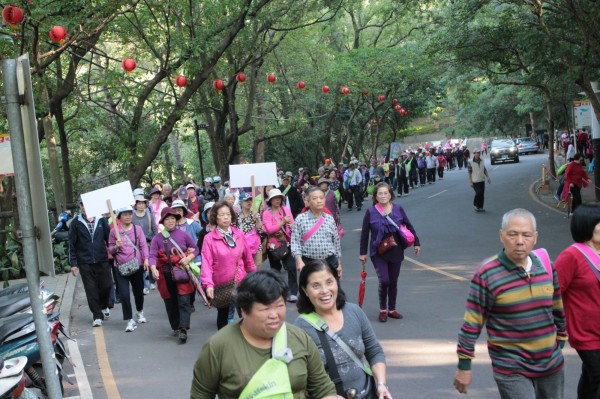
[28,232]
[197,128]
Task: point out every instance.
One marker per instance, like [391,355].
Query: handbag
[178,275]
[223,294]
[406,233]
[253,241]
[131,266]
[388,243]
[280,252]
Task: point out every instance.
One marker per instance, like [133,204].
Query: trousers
[388,272]
[97,282]
[589,382]
[517,386]
[290,265]
[479,188]
[137,286]
[179,308]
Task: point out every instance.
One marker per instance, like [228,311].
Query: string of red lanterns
[12,15]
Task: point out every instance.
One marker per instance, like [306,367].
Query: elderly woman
[575,178]
[169,250]
[224,256]
[144,218]
[131,244]
[249,222]
[578,269]
[249,355]
[277,223]
[157,204]
[386,259]
[357,357]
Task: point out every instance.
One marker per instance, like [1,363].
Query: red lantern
[325,89]
[365,92]
[13,15]
[398,108]
[345,91]
[58,34]
[381,98]
[218,85]
[300,85]
[240,77]
[271,78]
[128,64]
[181,81]
[394,102]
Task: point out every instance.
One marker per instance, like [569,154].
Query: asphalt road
[420,348]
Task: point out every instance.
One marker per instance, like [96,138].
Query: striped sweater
[523,315]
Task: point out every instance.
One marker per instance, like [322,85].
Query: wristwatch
[383,384]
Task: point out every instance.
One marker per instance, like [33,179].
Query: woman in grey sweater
[355,350]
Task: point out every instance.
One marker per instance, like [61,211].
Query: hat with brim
[168,211]
[190,186]
[323,180]
[123,210]
[244,196]
[275,192]
[155,191]
[180,204]
[476,150]
[141,198]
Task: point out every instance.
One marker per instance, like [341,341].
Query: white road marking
[83,384]
[435,195]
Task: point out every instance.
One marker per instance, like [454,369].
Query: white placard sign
[119,194]
[264,174]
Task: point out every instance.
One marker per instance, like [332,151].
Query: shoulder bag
[178,274]
[592,258]
[223,294]
[131,266]
[406,233]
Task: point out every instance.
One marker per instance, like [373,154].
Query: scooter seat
[14,289]
[12,304]
[14,323]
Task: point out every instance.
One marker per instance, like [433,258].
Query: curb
[534,195]
[68,296]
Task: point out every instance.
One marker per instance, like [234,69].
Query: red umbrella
[362,285]
[198,286]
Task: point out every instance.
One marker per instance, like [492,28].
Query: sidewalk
[545,193]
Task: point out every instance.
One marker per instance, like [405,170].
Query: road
[420,348]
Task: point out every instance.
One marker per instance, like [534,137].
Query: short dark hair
[584,221]
[380,185]
[212,215]
[311,190]
[577,156]
[263,287]
[304,304]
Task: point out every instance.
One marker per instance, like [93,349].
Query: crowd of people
[223,235]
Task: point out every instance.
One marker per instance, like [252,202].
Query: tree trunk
[179,169]
[551,163]
[57,187]
[259,150]
[64,153]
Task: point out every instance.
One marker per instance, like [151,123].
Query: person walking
[382,223]
[292,196]
[575,179]
[402,172]
[225,257]
[173,249]
[578,269]
[352,182]
[88,240]
[315,234]
[277,222]
[477,174]
[130,246]
[144,217]
[516,295]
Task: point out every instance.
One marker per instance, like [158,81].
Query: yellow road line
[435,270]
[110,385]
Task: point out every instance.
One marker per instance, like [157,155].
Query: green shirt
[227,362]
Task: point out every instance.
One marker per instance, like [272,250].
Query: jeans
[137,286]
[403,185]
[97,282]
[413,178]
[517,386]
[589,382]
[479,188]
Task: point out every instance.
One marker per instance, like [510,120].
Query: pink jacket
[271,224]
[219,261]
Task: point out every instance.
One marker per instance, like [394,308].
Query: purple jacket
[379,227]
[127,252]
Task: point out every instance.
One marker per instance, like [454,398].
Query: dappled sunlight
[426,353]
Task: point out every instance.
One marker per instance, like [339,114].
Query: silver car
[525,145]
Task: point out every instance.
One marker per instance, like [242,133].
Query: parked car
[525,145]
[503,150]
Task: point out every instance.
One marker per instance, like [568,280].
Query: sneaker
[97,323]
[556,197]
[131,325]
[140,318]
[175,333]
[359,208]
[152,286]
[394,314]
[117,300]
[146,291]
[292,299]
[182,336]
[106,313]
[383,316]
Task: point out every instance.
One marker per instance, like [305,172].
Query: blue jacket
[85,249]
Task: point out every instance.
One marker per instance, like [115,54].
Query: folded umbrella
[362,286]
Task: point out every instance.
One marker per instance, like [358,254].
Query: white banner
[264,174]
[582,114]
[6,166]
[120,196]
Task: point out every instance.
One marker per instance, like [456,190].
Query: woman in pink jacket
[224,257]
[277,222]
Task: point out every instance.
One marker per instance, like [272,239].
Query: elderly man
[352,182]
[477,174]
[516,295]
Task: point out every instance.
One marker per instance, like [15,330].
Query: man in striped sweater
[516,295]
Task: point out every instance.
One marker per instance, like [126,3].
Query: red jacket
[576,175]
[581,299]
